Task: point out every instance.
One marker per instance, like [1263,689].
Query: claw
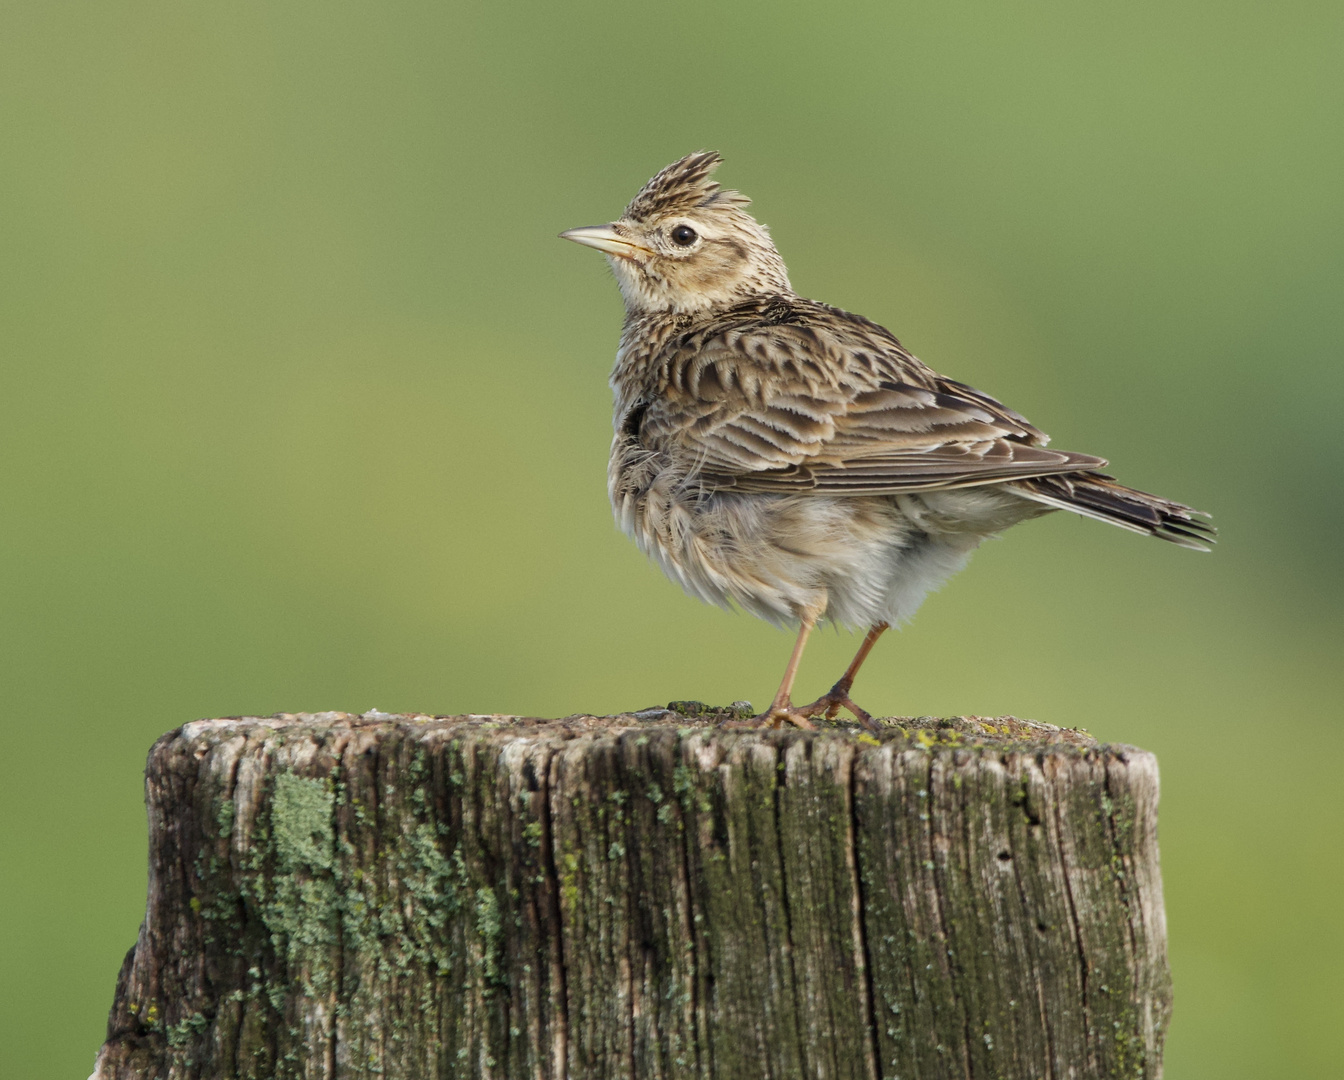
[830,703]
[774,718]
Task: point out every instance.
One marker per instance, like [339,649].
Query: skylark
[792,458]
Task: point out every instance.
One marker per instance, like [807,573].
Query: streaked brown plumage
[792,458]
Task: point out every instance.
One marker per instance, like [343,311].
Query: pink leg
[838,697]
[781,708]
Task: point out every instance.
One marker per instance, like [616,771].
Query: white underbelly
[854,560]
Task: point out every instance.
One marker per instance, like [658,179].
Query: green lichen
[301,906]
[180,1034]
[569,879]
[489,926]
[301,827]
[429,877]
[683,783]
[1123,815]
[738,710]
[224,818]
[939,737]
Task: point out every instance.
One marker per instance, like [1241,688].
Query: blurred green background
[305,407]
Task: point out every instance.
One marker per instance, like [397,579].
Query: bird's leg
[781,708]
[838,697]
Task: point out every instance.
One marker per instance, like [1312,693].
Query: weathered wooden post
[644,896]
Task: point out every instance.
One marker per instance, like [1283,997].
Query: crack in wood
[560,1010]
[1071,905]
[1051,1047]
[864,954]
[777,797]
[934,790]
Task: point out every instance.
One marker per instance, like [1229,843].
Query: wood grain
[647,896]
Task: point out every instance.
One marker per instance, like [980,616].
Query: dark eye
[683,235]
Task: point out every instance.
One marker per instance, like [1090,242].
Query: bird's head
[684,244]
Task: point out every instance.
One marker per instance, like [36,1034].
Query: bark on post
[644,896]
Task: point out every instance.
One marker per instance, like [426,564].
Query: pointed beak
[607,240]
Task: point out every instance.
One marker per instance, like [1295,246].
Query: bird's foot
[774,717]
[835,699]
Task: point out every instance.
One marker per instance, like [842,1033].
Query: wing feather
[817,399]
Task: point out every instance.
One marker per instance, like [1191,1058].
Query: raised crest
[684,185]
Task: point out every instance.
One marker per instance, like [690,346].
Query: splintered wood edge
[997,733]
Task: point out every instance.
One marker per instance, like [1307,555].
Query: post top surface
[682,717]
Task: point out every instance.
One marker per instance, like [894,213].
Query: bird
[793,459]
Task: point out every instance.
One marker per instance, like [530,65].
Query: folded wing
[834,404]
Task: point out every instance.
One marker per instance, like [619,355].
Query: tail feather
[1096,495]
